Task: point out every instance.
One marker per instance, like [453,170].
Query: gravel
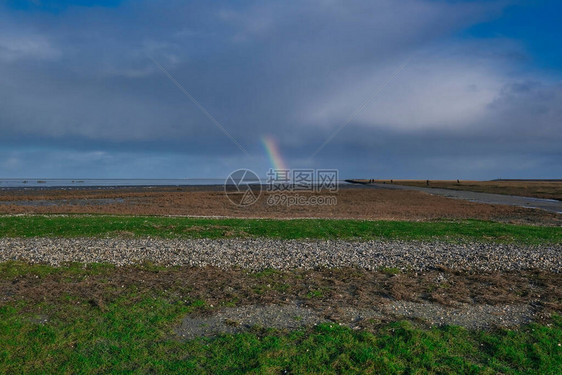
[239,319]
[292,316]
[472,316]
[259,254]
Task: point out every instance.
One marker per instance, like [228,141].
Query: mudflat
[352,202]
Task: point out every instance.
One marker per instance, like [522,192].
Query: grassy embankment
[181,227]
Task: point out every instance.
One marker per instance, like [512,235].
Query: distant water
[56,182]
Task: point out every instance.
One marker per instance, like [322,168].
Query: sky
[422,89]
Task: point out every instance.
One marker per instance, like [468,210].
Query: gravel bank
[258,254]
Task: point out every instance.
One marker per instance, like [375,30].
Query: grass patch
[138,337]
[317,293]
[181,227]
[132,330]
[15,269]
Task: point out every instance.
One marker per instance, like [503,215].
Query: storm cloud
[419,95]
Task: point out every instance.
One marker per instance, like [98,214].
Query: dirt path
[550,205]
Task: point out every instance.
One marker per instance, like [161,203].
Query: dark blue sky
[379,88]
[535,24]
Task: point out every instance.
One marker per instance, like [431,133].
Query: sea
[106,182]
[61,183]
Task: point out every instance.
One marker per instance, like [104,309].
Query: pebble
[263,253]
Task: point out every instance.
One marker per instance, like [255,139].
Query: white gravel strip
[258,254]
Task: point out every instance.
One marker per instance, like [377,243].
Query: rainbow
[273,152]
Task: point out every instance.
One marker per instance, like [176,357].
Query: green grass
[135,334]
[182,227]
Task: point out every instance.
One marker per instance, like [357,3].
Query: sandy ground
[352,202]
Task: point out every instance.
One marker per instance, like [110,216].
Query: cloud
[19,47]
[441,90]
[81,80]
[530,110]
